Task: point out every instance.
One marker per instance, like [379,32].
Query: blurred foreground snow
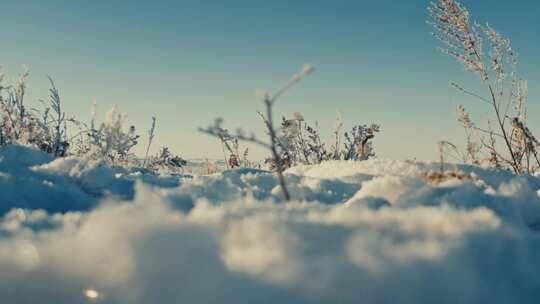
[73,231]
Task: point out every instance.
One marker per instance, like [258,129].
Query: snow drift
[73,231]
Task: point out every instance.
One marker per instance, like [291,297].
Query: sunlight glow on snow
[92,294]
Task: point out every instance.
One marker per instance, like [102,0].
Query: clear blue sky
[190,61]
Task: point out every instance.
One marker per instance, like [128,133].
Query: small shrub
[46,130]
[165,160]
[303,143]
[110,142]
[358,143]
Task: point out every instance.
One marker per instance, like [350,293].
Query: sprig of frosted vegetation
[110,141]
[48,130]
[19,124]
[279,160]
[303,143]
[151,134]
[487,53]
[295,142]
[230,145]
[164,160]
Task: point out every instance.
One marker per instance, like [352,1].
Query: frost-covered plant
[485,52]
[164,159]
[54,125]
[358,142]
[280,158]
[304,145]
[151,134]
[473,147]
[109,141]
[316,145]
[47,130]
[300,143]
[229,144]
[295,137]
[336,148]
[18,125]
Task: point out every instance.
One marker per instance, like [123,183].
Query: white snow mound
[379,231]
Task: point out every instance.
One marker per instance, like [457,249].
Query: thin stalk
[275,155]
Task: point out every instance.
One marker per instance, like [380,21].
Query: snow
[74,231]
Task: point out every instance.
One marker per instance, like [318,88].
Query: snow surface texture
[72,231]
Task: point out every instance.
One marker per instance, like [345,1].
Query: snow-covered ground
[379,231]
